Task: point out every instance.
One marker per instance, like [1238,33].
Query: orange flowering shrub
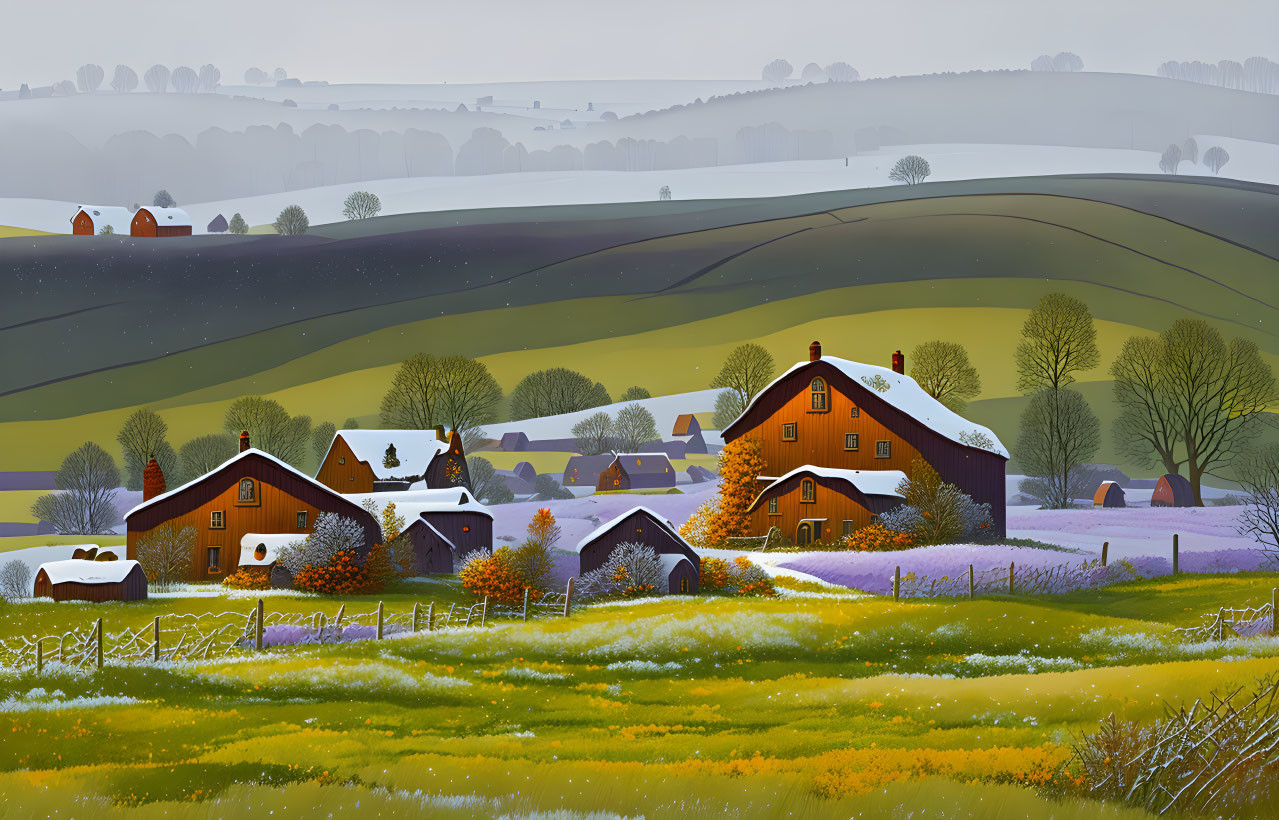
[697,529]
[741,462]
[379,569]
[878,538]
[715,575]
[630,589]
[741,577]
[493,574]
[249,578]
[345,575]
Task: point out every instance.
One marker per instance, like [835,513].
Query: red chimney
[152,480]
[244,440]
[815,352]
[899,363]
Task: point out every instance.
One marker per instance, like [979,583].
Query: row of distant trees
[1063,61]
[1215,158]
[1253,74]
[780,70]
[158,79]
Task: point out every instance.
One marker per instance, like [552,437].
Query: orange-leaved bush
[493,574]
[740,577]
[741,462]
[249,578]
[344,575]
[697,529]
[878,538]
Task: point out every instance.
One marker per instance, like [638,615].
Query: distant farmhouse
[841,421]
[445,525]
[689,431]
[92,220]
[584,471]
[86,579]
[681,566]
[366,461]
[637,471]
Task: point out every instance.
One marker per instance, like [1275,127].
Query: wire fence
[210,635]
[1236,622]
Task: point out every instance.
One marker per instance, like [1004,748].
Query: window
[819,396]
[215,559]
[247,492]
[848,528]
[808,491]
[772,506]
[790,431]
[683,585]
[804,535]
[855,413]
[259,552]
[301,519]
[342,460]
[466,529]
[883,449]
[217,520]
[851,441]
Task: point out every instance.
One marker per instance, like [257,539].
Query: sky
[429,41]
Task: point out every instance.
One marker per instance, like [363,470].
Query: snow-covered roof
[608,525]
[272,543]
[644,463]
[904,393]
[224,465]
[80,571]
[170,217]
[671,560]
[870,482]
[118,218]
[410,504]
[413,448]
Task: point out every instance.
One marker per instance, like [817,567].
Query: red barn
[92,220]
[811,504]
[1173,490]
[844,415]
[1109,494]
[89,580]
[154,222]
[366,461]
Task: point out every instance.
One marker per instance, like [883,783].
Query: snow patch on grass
[644,666]
[41,700]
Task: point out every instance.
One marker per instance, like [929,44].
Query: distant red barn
[88,580]
[1173,490]
[158,222]
[1109,494]
[637,471]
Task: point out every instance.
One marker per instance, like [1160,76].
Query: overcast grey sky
[508,40]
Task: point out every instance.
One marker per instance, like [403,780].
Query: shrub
[631,570]
[379,569]
[249,578]
[493,574]
[344,575]
[165,554]
[698,528]
[741,462]
[15,581]
[533,561]
[332,536]
[880,538]
[738,577]
[292,221]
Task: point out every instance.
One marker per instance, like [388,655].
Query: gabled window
[217,520]
[883,449]
[819,394]
[790,431]
[807,490]
[851,441]
[772,506]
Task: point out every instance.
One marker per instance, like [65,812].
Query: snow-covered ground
[664,409]
[1132,531]
[1253,161]
[33,557]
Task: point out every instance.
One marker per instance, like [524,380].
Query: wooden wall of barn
[636,528]
[343,472]
[132,588]
[469,531]
[834,499]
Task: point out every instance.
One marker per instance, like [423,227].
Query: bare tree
[1066,61]
[88,77]
[555,391]
[943,370]
[209,76]
[455,391]
[64,88]
[271,429]
[157,79]
[163,199]
[332,534]
[911,170]
[1043,62]
[777,71]
[361,205]
[747,370]
[15,581]
[87,482]
[292,221]
[728,406]
[204,454]
[633,427]
[1216,158]
[1146,423]
[280,74]
[1190,150]
[124,80]
[321,439]
[594,434]
[1258,472]
[165,554]
[1170,159]
[1059,433]
[1058,340]
[141,437]
[664,193]
[184,80]
[813,73]
[841,73]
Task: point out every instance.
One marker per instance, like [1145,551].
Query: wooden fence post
[1175,561]
[415,608]
[484,611]
[39,655]
[379,620]
[430,617]
[526,604]
[568,597]
[1274,611]
[257,627]
[1011,566]
[1221,623]
[1105,552]
[972,583]
[155,628]
[100,638]
[897,584]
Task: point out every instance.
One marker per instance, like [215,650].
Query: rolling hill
[648,293]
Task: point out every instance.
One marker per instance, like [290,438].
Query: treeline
[1253,74]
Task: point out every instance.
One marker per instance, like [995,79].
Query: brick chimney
[899,363]
[815,352]
[244,440]
[152,480]
[439,433]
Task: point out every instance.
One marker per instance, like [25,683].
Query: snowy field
[664,409]
[1258,162]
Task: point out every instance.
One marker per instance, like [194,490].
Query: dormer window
[818,391]
[246,492]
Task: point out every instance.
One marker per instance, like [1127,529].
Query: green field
[704,707]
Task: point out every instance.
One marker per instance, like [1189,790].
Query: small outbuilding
[637,471]
[525,472]
[640,525]
[513,443]
[91,220]
[91,580]
[681,575]
[443,525]
[1109,494]
[686,424]
[1173,490]
[218,225]
[584,471]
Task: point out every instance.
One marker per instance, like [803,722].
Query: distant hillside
[650,293]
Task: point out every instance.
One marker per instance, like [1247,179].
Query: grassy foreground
[708,707]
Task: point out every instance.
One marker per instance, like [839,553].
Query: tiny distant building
[640,525]
[91,580]
[1109,494]
[366,461]
[584,471]
[218,225]
[160,222]
[91,220]
[686,424]
[1173,490]
[513,443]
[444,525]
[525,472]
[674,449]
[637,471]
